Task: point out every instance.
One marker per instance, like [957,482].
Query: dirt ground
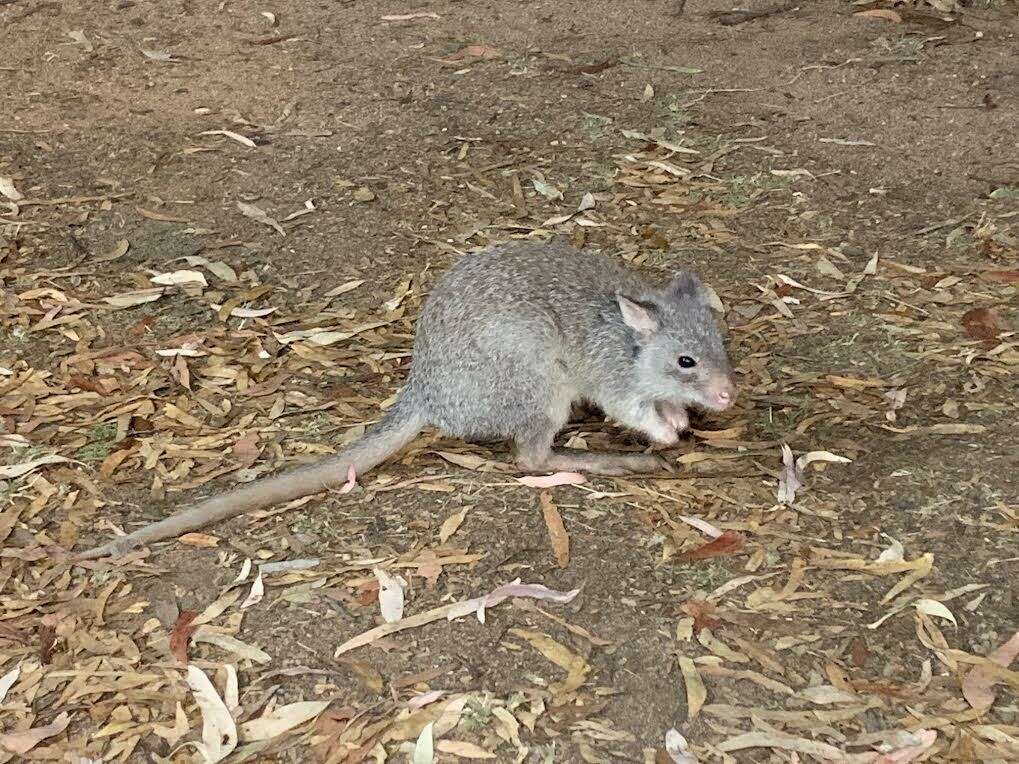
[218,220]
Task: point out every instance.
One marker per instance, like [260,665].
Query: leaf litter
[788,612]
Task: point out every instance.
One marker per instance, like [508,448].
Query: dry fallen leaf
[696,693]
[351,481]
[550,481]
[982,323]
[977,684]
[730,542]
[256,593]
[884,14]
[576,667]
[409,16]
[678,748]
[789,481]
[203,540]
[177,278]
[451,524]
[219,732]
[391,592]
[462,749]
[935,608]
[7,681]
[241,139]
[259,216]
[460,609]
[424,747]
[556,531]
[1001,277]
[280,720]
[10,471]
[7,189]
[231,645]
[180,635]
[25,741]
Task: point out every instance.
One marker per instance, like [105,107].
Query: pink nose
[724,393]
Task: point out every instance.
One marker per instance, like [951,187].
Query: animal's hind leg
[534,452]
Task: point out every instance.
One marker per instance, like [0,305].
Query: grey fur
[508,340]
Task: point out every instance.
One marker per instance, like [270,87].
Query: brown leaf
[981,324]
[483,52]
[1001,277]
[978,683]
[702,613]
[368,592]
[556,531]
[728,543]
[181,633]
[885,14]
[858,652]
[245,449]
[203,540]
[47,637]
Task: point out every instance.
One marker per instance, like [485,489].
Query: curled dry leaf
[789,481]
[180,635]
[678,748]
[351,481]
[391,590]
[219,732]
[8,189]
[256,593]
[241,139]
[935,608]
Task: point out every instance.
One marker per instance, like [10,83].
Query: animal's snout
[722,392]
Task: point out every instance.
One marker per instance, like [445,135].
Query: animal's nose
[724,393]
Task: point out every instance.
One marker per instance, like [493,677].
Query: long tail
[400,425]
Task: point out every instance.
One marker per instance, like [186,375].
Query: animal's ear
[639,316]
[685,286]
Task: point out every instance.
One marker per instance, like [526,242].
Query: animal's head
[681,356]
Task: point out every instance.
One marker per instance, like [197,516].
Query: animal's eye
[686,362]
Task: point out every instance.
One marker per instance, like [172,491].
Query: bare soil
[819,135]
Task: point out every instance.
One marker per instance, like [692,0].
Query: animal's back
[497,339]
